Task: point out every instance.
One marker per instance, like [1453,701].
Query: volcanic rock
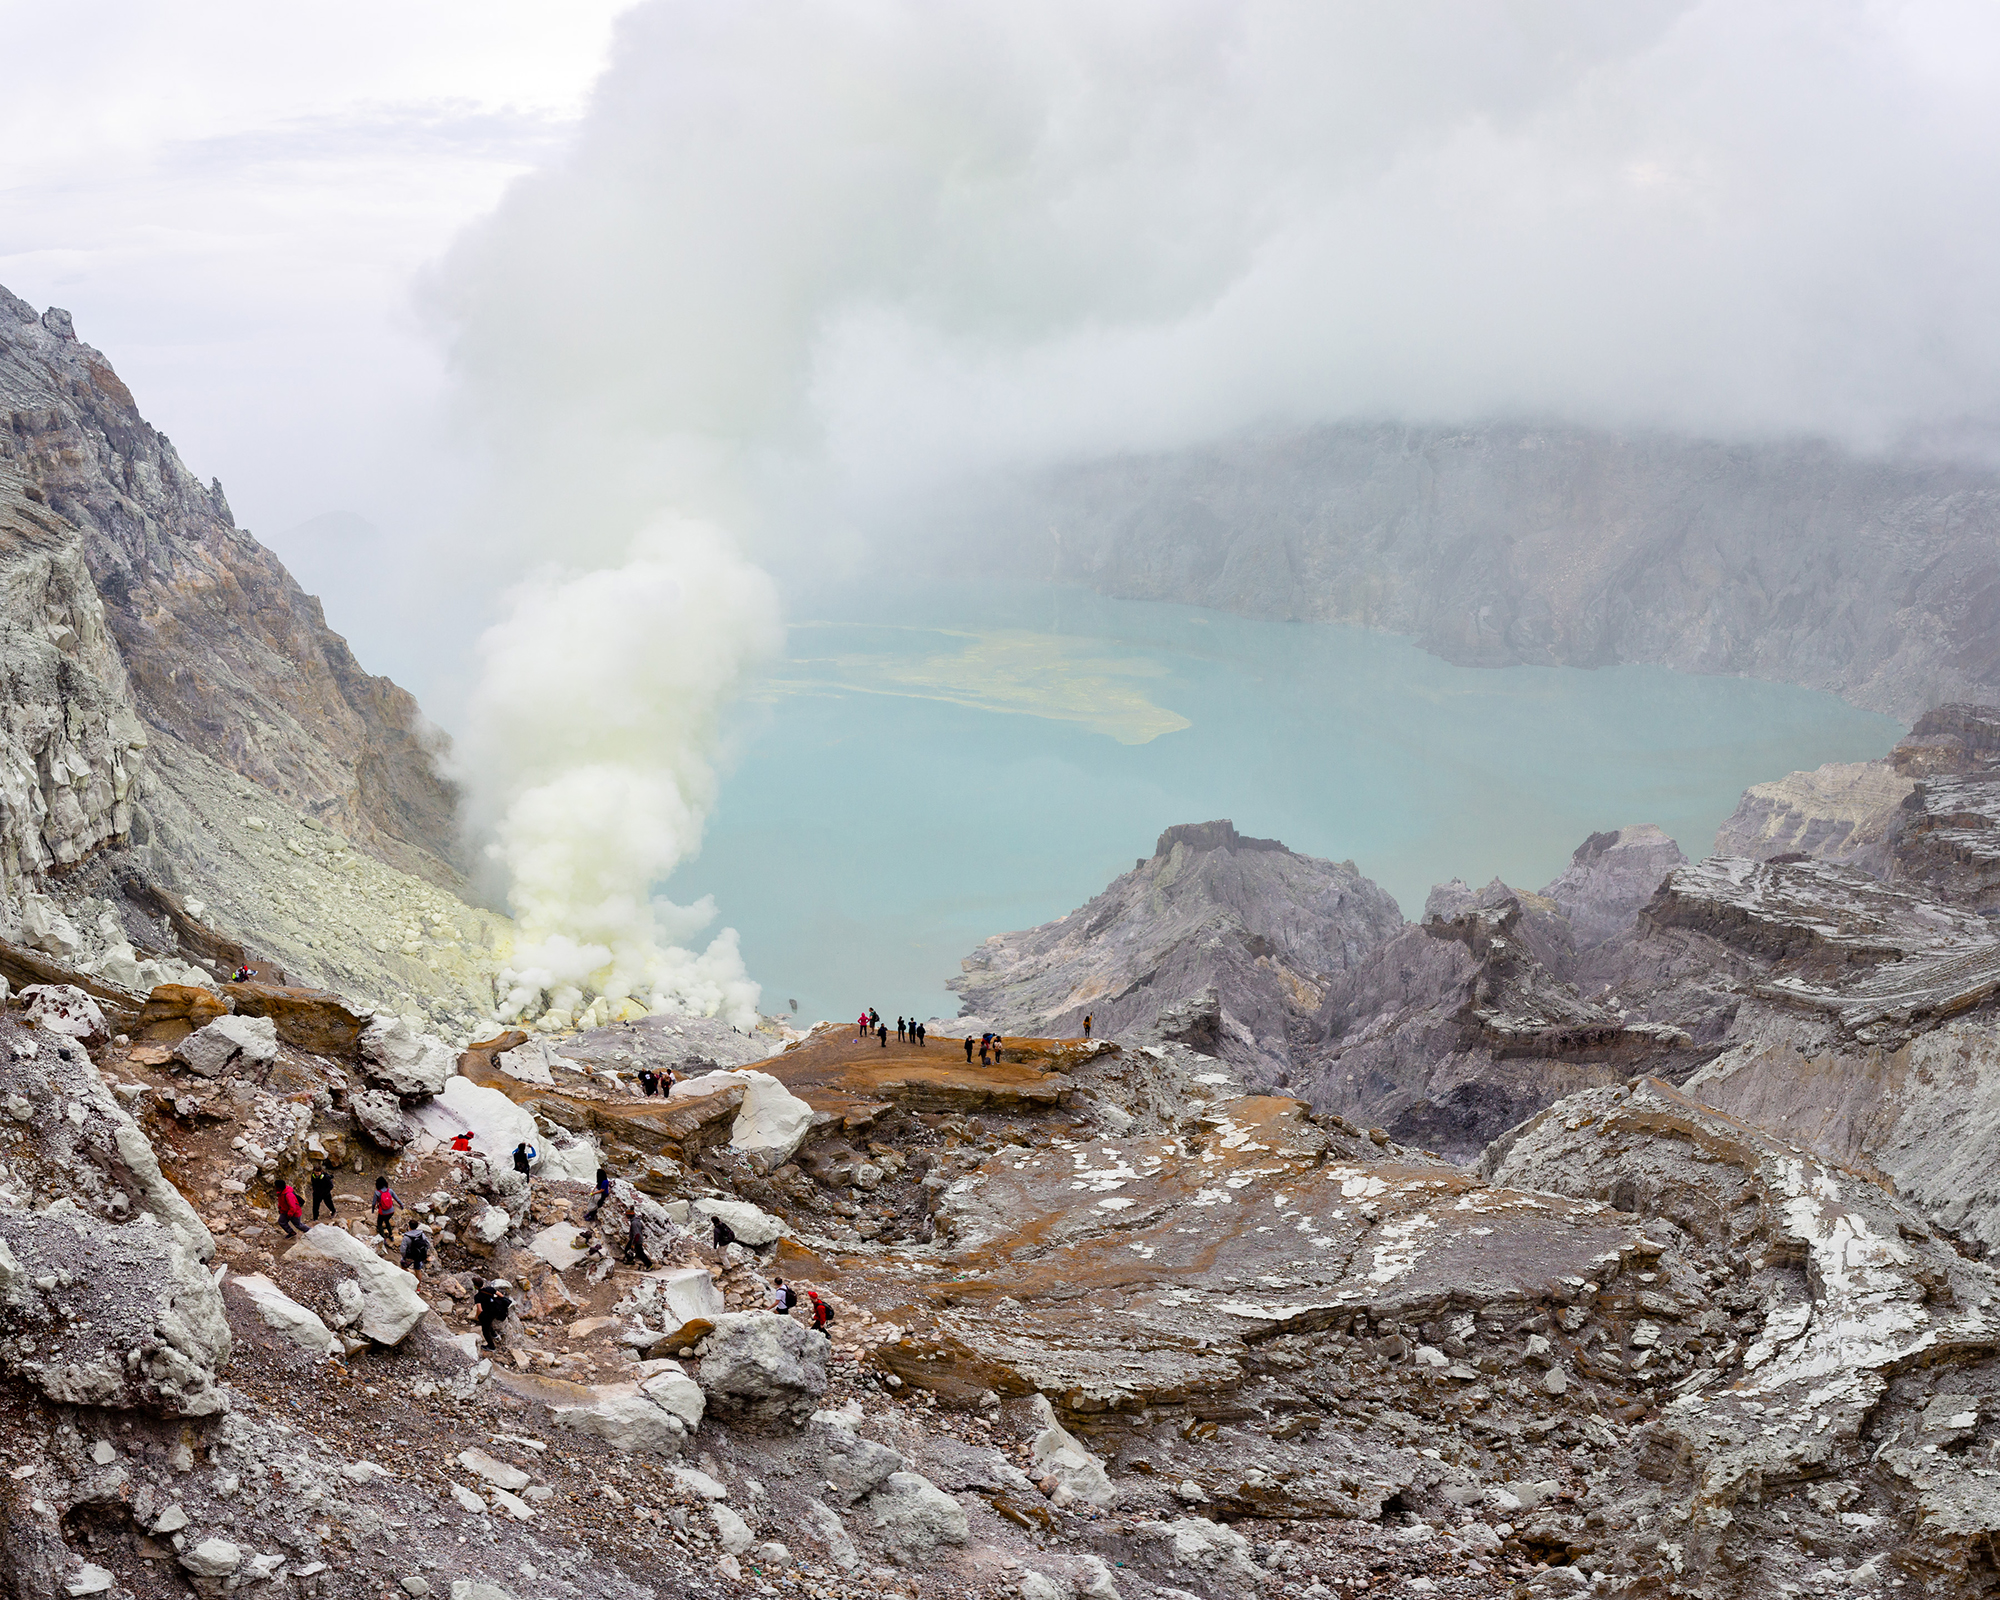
[761,1365]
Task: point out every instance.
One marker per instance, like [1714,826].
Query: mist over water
[937,762]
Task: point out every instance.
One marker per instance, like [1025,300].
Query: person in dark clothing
[922,1034]
[968,1049]
[322,1192]
[724,1234]
[603,1194]
[900,1026]
[982,1050]
[288,1211]
[1086,1027]
[385,1208]
[647,1082]
[882,1033]
[635,1242]
[491,1305]
[874,1018]
[416,1249]
[524,1157]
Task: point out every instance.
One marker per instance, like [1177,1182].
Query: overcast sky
[785,254]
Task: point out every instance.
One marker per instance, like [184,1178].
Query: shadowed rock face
[1223,941]
[1553,545]
[221,647]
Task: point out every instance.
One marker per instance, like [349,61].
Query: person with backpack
[1086,1027]
[603,1194]
[524,1158]
[921,1033]
[635,1242]
[289,1209]
[649,1082]
[385,1208]
[822,1313]
[416,1250]
[492,1305]
[783,1297]
[322,1191]
[882,1033]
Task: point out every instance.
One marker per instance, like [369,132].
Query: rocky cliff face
[1215,939]
[219,646]
[1797,562]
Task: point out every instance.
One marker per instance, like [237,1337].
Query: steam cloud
[591,739]
[808,257]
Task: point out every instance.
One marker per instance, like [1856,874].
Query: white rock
[489,1226]
[212,1050]
[699,1483]
[1033,1585]
[758,1364]
[528,1062]
[832,1533]
[731,1529]
[45,928]
[405,1062]
[676,1392]
[750,1225]
[915,1515]
[279,1311]
[467,1500]
[390,1304]
[494,1471]
[495,1122]
[471,1589]
[213,1558]
[364,1472]
[686,1294]
[556,1244]
[170,1521]
[772,1122]
[772,1554]
[90,1579]
[63,1008]
[1079,1474]
[519,1510]
[627,1421]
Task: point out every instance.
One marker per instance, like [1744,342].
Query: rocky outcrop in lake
[1799,562]
[1216,940]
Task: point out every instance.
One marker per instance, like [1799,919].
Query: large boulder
[857,1467]
[64,1008]
[916,1516]
[751,1226]
[687,1294]
[379,1114]
[390,1304]
[771,1123]
[100,1314]
[627,1420]
[759,1365]
[313,1020]
[215,1047]
[1079,1475]
[495,1122]
[281,1313]
[403,1060]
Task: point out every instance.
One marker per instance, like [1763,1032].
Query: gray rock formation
[758,1365]
[1520,543]
[1216,940]
[220,646]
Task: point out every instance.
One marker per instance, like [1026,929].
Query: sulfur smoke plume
[592,739]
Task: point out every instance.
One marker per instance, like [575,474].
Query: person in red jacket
[290,1209]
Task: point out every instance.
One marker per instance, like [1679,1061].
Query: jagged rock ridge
[1215,939]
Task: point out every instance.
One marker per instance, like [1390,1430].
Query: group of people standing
[908,1029]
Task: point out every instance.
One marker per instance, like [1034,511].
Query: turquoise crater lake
[935,763]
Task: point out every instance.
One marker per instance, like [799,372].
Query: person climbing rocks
[289,1209]
[822,1314]
[242,975]
[461,1143]
[649,1080]
[900,1025]
[635,1241]
[882,1033]
[968,1049]
[416,1249]
[783,1297]
[524,1158]
[1086,1026]
[491,1305]
[322,1191]
[385,1208]
[725,1235]
[603,1194]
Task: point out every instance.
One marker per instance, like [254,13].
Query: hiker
[968,1049]
[783,1297]
[882,1033]
[861,1027]
[822,1314]
[874,1018]
[524,1158]
[982,1049]
[899,1029]
[461,1144]
[635,1241]
[725,1235]
[603,1194]
[1086,1027]
[491,1306]
[923,1033]
[288,1211]
[242,975]
[649,1081]
[385,1207]
[322,1191]
[416,1249]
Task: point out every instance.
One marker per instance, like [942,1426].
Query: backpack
[724,1234]
[418,1249]
[385,1201]
[791,1297]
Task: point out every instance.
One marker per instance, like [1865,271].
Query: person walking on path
[821,1315]
[982,1049]
[289,1209]
[861,1029]
[922,1033]
[968,1049]
[1086,1027]
[524,1158]
[385,1208]
[603,1194]
[416,1250]
[874,1018]
[635,1241]
[491,1306]
[322,1191]
[783,1297]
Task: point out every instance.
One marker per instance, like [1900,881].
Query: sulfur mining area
[1626,1235]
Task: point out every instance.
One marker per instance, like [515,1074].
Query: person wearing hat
[492,1305]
